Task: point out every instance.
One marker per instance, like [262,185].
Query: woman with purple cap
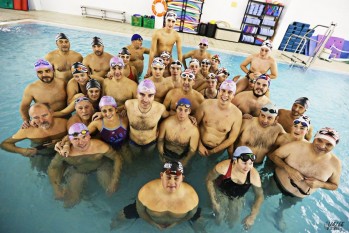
[112,127]
[228,183]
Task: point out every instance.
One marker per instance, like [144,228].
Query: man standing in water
[98,61]
[63,58]
[38,91]
[259,63]
[164,40]
[164,202]
[86,155]
[137,53]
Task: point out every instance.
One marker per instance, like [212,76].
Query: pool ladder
[298,59]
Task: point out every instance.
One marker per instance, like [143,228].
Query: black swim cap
[61,35]
[93,83]
[304,101]
[96,41]
[78,68]
[124,50]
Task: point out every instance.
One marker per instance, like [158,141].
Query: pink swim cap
[77,129]
[107,101]
[146,86]
[116,61]
[41,63]
[228,85]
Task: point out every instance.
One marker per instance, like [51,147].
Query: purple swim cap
[41,63]
[77,129]
[228,85]
[107,101]
[146,86]
[116,61]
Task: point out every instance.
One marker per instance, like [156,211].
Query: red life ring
[159,14]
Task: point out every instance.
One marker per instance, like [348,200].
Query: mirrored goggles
[188,75]
[76,134]
[78,100]
[171,172]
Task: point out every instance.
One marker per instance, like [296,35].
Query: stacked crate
[296,28]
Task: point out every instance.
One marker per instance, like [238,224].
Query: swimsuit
[206,97]
[281,188]
[229,187]
[114,137]
[131,76]
[173,155]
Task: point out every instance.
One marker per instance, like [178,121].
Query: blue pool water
[26,197]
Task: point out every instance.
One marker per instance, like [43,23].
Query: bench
[101,13]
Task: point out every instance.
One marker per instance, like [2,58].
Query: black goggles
[205,63]
[247,156]
[272,111]
[304,124]
[172,172]
[178,63]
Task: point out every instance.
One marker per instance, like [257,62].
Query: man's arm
[55,173]
[141,209]
[193,146]
[70,91]
[185,56]
[273,70]
[179,47]
[167,101]
[309,135]
[9,145]
[258,200]
[25,104]
[114,182]
[212,176]
[160,143]
[152,52]
[245,63]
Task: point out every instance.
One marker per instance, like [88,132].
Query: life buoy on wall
[159,14]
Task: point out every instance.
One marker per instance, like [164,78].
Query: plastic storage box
[137,20]
[148,22]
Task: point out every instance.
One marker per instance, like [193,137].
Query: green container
[136,20]
[148,22]
[8,4]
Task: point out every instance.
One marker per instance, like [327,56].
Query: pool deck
[127,29]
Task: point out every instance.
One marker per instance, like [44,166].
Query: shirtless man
[164,40]
[175,71]
[137,53]
[144,114]
[298,176]
[118,86]
[86,155]
[49,130]
[199,54]
[260,133]
[215,62]
[178,138]
[84,112]
[219,121]
[250,102]
[186,91]
[129,71]
[210,92]
[164,202]
[98,61]
[162,85]
[63,58]
[38,91]
[167,58]
[286,117]
[300,128]
[259,63]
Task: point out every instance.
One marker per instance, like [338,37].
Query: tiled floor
[124,28]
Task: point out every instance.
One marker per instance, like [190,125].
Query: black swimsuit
[229,187]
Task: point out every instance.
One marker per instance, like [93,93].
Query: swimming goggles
[188,75]
[216,58]
[185,105]
[125,56]
[158,61]
[171,15]
[247,156]
[223,71]
[178,63]
[303,123]
[330,132]
[265,77]
[205,62]
[194,61]
[299,189]
[211,76]
[165,54]
[172,172]
[270,110]
[79,68]
[78,100]
[202,44]
[76,134]
[41,63]
[124,51]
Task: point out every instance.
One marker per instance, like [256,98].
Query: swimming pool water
[27,203]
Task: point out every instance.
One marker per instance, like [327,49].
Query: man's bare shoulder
[159,106]
[149,188]
[223,166]
[130,102]
[99,146]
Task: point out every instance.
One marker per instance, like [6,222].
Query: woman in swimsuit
[228,183]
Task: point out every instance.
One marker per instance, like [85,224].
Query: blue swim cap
[136,37]
[184,102]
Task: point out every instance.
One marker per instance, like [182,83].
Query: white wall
[312,12]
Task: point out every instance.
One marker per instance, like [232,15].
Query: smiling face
[297,110]
[94,93]
[108,112]
[170,182]
[41,116]
[244,167]
[261,87]
[225,96]
[98,49]
[117,71]
[84,109]
[322,146]
[81,78]
[81,142]
[299,131]
[46,75]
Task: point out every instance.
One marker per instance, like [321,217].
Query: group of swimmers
[180,111]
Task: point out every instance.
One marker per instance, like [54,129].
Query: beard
[99,53]
[46,79]
[258,95]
